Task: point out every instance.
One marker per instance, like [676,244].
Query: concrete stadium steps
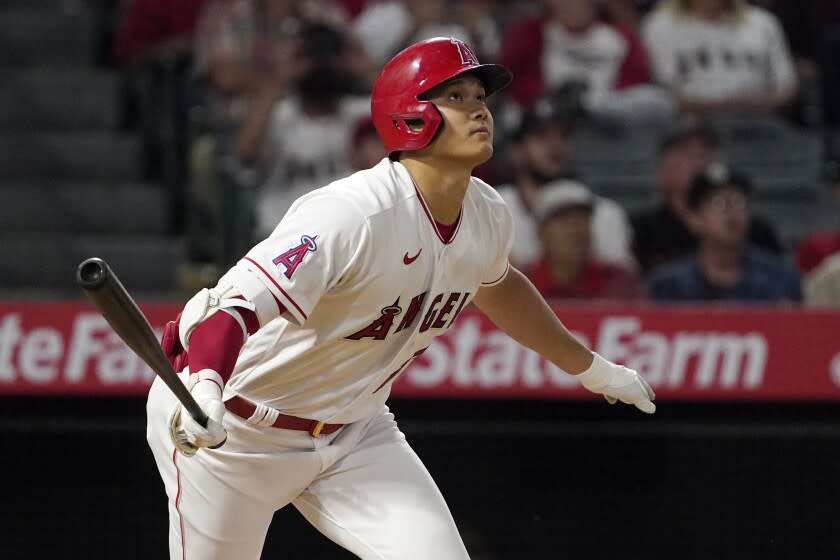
[123,208]
[68,156]
[58,98]
[48,262]
[47,36]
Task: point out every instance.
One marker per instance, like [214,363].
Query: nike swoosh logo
[408,260]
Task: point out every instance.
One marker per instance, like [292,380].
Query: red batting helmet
[414,71]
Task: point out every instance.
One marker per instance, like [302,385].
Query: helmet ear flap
[415,137]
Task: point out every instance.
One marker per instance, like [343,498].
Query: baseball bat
[107,293]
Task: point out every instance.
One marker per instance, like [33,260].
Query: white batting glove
[187,434]
[618,383]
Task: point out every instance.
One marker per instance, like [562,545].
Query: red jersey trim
[276,285]
[434,223]
[178,503]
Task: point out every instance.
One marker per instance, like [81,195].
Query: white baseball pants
[362,487]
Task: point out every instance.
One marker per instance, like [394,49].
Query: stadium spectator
[353,7]
[818,246]
[725,266]
[815,248]
[568,50]
[247,52]
[720,56]
[665,231]
[542,152]
[152,30]
[821,286]
[299,138]
[568,269]
[627,13]
[385,28]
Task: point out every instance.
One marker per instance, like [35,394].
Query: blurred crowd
[244,105]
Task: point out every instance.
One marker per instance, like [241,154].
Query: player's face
[467,131]
[723,219]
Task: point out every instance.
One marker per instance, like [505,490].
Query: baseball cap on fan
[559,196]
[716,176]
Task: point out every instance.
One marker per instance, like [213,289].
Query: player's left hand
[618,383]
[187,434]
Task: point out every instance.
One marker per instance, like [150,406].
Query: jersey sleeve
[502,226]
[316,246]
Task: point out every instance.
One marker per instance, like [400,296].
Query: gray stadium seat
[58,98]
[84,208]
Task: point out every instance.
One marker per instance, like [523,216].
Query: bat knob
[91,273]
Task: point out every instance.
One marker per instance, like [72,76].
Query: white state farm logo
[711,359]
[42,355]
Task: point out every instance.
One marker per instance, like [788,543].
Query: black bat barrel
[105,290]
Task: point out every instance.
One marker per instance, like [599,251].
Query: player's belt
[248,411]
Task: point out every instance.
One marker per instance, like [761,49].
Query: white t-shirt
[593,57]
[611,231]
[301,153]
[710,61]
[367,282]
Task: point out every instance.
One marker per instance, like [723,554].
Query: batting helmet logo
[467,54]
[395,102]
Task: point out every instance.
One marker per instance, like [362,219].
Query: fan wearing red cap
[294,353]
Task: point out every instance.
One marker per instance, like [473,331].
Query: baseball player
[293,354]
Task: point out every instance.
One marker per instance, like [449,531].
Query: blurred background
[673,171]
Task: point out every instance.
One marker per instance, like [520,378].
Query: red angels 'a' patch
[293,258]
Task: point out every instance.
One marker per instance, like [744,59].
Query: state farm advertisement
[684,352]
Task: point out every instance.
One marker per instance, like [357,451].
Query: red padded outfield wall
[719,353]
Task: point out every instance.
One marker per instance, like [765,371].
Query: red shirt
[599,281]
[147,22]
[813,249]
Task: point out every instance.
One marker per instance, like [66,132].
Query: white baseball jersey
[713,61]
[367,281]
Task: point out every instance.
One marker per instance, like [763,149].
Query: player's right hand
[187,434]
[618,383]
